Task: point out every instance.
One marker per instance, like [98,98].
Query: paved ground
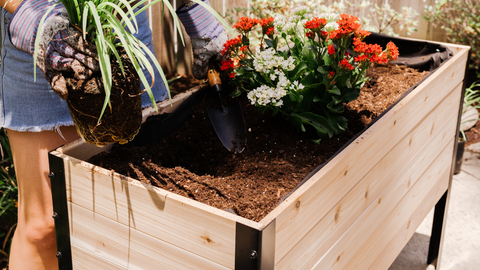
[461,249]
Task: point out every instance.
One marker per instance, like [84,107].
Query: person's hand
[61,46]
[207,35]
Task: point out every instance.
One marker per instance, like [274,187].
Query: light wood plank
[384,245]
[86,260]
[421,146]
[325,189]
[104,238]
[147,252]
[433,183]
[149,210]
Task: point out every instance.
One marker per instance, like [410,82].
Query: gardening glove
[207,36]
[61,46]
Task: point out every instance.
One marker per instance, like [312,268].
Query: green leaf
[269,43]
[298,71]
[322,70]
[320,123]
[335,91]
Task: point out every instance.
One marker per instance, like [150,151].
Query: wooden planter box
[358,210]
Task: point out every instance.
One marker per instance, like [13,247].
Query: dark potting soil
[193,162]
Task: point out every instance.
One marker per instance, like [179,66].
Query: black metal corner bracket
[255,249]
[60,212]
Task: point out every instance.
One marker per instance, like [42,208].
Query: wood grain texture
[410,211]
[388,211]
[325,189]
[417,149]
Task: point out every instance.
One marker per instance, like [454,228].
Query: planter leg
[60,214]
[435,246]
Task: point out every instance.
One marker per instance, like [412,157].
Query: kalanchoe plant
[308,81]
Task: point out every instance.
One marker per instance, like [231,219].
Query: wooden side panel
[416,151]
[324,190]
[107,242]
[147,252]
[152,211]
[86,260]
[103,237]
[432,183]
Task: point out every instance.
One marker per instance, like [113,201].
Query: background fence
[179,60]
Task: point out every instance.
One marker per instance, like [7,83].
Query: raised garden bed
[357,210]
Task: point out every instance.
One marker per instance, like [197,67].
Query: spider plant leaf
[143,79]
[117,56]
[120,12]
[130,13]
[170,8]
[157,66]
[37,41]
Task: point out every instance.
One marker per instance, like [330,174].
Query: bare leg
[34,245]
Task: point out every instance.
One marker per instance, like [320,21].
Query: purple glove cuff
[25,20]
[198,21]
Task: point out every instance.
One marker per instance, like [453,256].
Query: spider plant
[105,24]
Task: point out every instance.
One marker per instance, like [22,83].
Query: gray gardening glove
[61,46]
[207,35]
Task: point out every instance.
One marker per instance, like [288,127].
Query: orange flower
[347,25]
[392,51]
[331,75]
[331,49]
[344,64]
[232,44]
[316,24]
[361,34]
[246,24]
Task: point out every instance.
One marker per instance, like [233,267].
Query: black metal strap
[255,249]
[60,212]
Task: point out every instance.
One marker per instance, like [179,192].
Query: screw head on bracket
[253,254]
[55,215]
[51,175]
[59,254]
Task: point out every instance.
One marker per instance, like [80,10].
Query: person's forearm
[10,5]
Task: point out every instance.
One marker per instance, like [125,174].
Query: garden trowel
[227,120]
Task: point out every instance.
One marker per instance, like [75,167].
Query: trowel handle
[214,79]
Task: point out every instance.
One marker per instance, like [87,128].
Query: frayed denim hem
[55,127]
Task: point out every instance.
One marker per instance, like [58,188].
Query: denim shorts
[31,105]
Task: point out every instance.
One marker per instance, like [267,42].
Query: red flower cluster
[310,35]
[267,26]
[361,34]
[331,49]
[344,64]
[374,52]
[246,24]
[316,24]
[392,51]
[228,65]
[331,75]
[231,44]
[347,25]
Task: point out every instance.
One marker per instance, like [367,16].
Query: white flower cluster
[266,60]
[265,95]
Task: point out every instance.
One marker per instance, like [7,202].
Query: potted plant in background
[470,117]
